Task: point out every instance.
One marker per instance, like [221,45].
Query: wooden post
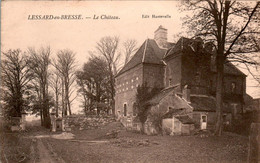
[23,121]
[254,138]
[53,121]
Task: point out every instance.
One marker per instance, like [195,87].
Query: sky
[20,31]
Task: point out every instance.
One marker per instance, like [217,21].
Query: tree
[39,62]
[129,49]
[144,93]
[65,65]
[55,84]
[107,47]
[232,27]
[93,81]
[15,78]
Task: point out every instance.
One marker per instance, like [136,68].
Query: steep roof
[177,101]
[229,68]
[185,119]
[158,97]
[149,52]
[205,103]
[184,45]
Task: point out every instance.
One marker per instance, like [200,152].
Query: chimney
[186,93]
[160,36]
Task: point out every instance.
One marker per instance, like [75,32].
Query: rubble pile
[127,142]
[90,122]
[203,133]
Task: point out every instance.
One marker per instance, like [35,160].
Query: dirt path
[44,155]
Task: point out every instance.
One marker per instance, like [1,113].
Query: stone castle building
[187,64]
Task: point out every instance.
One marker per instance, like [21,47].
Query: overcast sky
[81,35]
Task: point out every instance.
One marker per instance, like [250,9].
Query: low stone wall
[82,122]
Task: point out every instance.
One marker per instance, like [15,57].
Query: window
[233,87]
[132,80]
[132,86]
[204,118]
[126,82]
[197,77]
[170,82]
[125,110]
[137,78]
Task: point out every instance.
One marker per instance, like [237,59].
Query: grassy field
[17,147]
[94,145]
[135,147]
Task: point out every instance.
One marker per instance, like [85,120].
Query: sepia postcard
[130,81]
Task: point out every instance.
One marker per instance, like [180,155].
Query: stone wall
[196,72]
[173,71]
[153,75]
[211,118]
[126,86]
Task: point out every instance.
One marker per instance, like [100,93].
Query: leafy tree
[233,28]
[93,81]
[144,93]
[15,78]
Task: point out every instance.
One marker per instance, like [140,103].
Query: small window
[204,118]
[132,80]
[132,86]
[170,82]
[126,82]
[127,88]
[233,87]
[137,78]
[125,110]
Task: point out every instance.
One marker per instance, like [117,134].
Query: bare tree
[65,65]
[39,62]
[55,84]
[107,47]
[232,27]
[129,49]
[15,78]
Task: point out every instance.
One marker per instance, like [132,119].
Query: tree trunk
[57,103]
[219,96]
[41,117]
[254,144]
[62,98]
